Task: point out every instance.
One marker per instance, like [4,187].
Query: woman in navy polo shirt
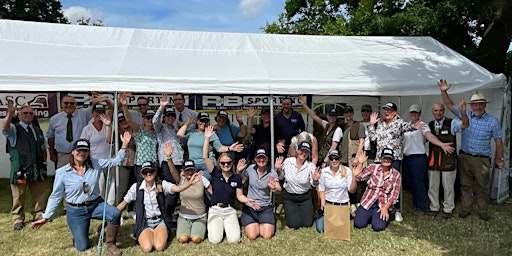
[262,180]
[225,185]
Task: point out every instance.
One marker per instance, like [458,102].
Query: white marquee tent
[50,57]
[55,57]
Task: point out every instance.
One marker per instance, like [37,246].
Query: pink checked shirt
[383,188]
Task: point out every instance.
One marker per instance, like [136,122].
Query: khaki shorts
[191,228]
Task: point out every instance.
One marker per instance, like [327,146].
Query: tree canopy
[32,10]
[478,29]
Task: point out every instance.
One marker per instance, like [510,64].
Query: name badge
[293,120]
[444,132]
[234,184]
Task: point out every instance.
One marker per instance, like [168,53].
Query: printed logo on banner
[44,104]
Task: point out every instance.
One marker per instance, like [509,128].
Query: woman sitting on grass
[149,195]
[77,182]
[226,184]
[262,180]
[382,190]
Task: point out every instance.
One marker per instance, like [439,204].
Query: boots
[111,239]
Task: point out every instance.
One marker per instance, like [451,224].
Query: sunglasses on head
[85,187]
[146,172]
[332,158]
[68,103]
[226,163]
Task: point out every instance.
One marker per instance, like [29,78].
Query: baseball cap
[148,166]
[332,111]
[305,145]
[265,110]
[149,113]
[334,152]
[120,116]
[387,152]
[390,105]
[366,107]
[349,109]
[189,164]
[222,113]
[82,144]
[169,111]
[261,152]
[99,107]
[203,116]
[415,108]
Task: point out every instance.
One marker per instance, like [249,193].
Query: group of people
[174,155]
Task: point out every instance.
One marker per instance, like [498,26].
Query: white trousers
[222,220]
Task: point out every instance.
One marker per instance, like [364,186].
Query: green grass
[423,235]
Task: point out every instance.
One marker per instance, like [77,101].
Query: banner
[44,104]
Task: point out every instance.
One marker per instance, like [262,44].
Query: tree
[32,10]
[480,30]
[87,22]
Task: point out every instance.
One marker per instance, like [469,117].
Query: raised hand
[122,97]
[196,177]
[279,163]
[271,183]
[241,165]
[462,105]
[250,112]
[164,99]
[105,119]
[209,131]
[443,85]
[374,118]
[168,149]
[316,174]
[11,109]
[127,136]
[302,99]
[237,147]
[238,117]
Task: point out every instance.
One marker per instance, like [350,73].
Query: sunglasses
[226,163]
[204,121]
[27,113]
[69,103]
[386,159]
[367,111]
[143,105]
[85,187]
[332,158]
[146,172]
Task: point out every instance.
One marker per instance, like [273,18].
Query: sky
[244,16]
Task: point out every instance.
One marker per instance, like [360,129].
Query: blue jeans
[79,220]
[414,170]
[320,224]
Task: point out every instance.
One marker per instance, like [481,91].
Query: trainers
[446,215]
[353,210]
[484,216]
[433,213]
[130,214]
[398,217]
[464,214]
[19,225]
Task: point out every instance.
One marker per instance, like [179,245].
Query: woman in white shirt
[333,187]
[300,176]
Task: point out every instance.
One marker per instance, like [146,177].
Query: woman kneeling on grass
[382,190]
[262,180]
[335,182]
[77,182]
[192,217]
[149,196]
[226,184]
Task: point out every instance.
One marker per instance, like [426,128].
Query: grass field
[416,235]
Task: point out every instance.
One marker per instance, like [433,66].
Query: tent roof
[53,57]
